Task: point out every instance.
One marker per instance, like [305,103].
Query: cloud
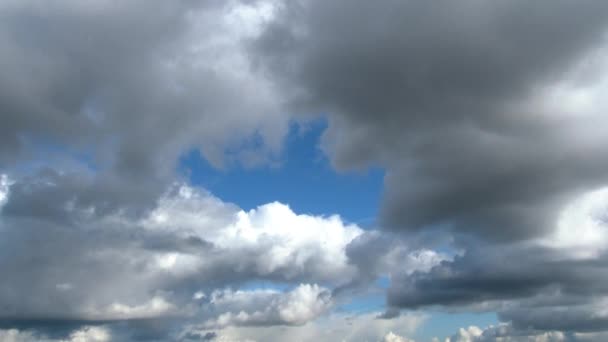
[570,316]
[506,333]
[121,90]
[492,134]
[267,307]
[281,244]
[86,334]
[390,337]
[90,334]
[488,118]
[380,254]
[333,327]
[463,104]
[581,226]
[4,185]
[165,264]
[555,283]
[529,288]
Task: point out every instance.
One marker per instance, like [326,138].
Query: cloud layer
[489,120]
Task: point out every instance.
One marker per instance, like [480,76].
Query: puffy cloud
[582,226]
[560,314]
[469,334]
[170,263]
[120,90]
[555,283]
[464,104]
[280,243]
[505,333]
[529,286]
[378,254]
[90,334]
[4,185]
[390,337]
[267,307]
[490,129]
[14,335]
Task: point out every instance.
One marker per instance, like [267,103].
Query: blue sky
[305,180]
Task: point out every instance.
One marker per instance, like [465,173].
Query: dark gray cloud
[123,89]
[196,336]
[589,317]
[495,274]
[452,100]
[531,287]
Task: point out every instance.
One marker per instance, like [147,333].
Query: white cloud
[582,227]
[155,307]
[4,188]
[402,259]
[84,334]
[267,307]
[14,335]
[469,334]
[341,327]
[90,334]
[391,337]
[186,251]
[282,240]
[504,333]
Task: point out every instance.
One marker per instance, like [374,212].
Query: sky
[308,170]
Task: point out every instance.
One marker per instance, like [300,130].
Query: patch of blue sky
[304,180]
[372,301]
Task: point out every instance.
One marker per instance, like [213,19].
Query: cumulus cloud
[581,229]
[267,307]
[463,103]
[175,261]
[390,337]
[280,243]
[550,284]
[531,287]
[121,90]
[85,334]
[4,184]
[505,333]
[492,133]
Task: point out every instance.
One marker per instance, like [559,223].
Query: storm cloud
[464,103]
[124,88]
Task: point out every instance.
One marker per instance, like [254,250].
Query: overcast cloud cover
[488,119]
